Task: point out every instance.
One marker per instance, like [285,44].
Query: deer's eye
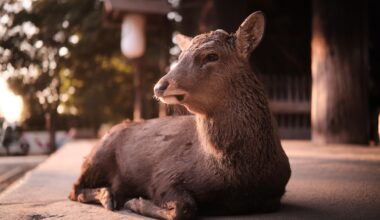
[212,57]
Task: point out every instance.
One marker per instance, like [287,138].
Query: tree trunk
[340,72]
[50,128]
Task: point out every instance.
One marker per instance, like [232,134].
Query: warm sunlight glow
[63,51]
[11,105]
[27,4]
[74,39]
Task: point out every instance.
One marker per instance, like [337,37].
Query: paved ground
[335,182]
[12,168]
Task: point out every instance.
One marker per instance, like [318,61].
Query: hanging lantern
[133,35]
[132,15]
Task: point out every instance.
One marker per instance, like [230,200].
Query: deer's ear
[250,33]
[182,41]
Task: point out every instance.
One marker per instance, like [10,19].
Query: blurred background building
[87,64]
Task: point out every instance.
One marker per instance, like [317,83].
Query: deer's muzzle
[160,88]
[168,93]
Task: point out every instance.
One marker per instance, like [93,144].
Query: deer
[225,158]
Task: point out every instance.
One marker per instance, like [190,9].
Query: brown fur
[226,159]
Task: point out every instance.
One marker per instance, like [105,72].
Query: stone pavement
[334,182]
[12,168]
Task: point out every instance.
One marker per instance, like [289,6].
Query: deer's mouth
[173,98]
[180,98]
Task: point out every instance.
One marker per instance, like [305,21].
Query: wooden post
[340,72]
[163,61]
[137,108]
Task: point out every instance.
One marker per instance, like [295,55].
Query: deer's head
[208,66]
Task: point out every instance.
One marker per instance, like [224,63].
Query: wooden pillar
[137,107]
[340,72]
[163,62]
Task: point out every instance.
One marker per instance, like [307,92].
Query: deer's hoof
[73,195]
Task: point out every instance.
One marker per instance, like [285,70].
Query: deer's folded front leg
[148,208]
[99,195]
[173,207]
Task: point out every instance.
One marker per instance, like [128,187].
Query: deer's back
[157,153]
[148,144]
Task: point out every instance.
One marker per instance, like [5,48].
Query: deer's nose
[160,87]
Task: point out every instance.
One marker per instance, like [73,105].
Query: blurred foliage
[59,57]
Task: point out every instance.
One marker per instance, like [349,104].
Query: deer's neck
[240,127]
